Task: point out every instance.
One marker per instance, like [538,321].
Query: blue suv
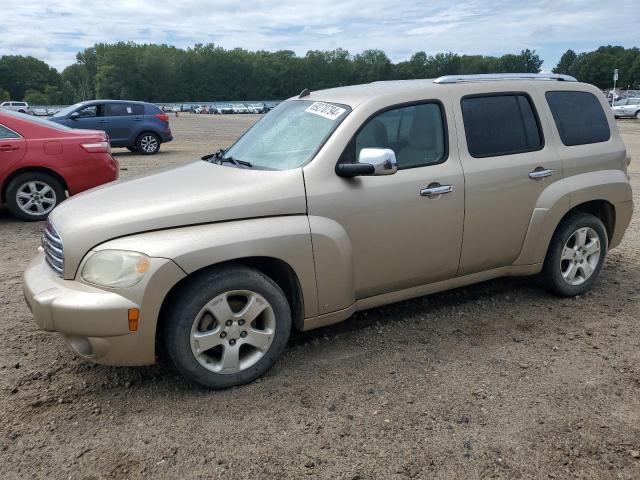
[139,126]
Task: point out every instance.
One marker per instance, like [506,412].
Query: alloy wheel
[36,198]
[580,256]
[149,143]
[233,331]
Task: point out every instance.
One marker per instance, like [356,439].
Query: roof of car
[354,95]
[106,100]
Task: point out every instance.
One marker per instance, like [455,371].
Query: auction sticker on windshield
[325,110]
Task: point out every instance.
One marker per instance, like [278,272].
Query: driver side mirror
[371,162]
[74,116]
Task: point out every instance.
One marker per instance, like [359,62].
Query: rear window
[500,124]
[123,109]
[579,117]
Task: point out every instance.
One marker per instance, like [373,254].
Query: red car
[40,161]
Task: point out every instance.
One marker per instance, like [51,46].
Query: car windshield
[289,135]
[67,110]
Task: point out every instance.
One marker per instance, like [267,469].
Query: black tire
[148,143]
[133,149]
[638,114]
[47,201]
[187,303]
[552,270]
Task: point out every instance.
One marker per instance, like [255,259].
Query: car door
[123,118]
[89,117]
[506,166]
[12,148]
[400,234]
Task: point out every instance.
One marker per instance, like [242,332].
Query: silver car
[627,107]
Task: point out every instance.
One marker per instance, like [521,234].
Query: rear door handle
[540,173]
[137,119]
[7,148]
[104,121]
[432,191]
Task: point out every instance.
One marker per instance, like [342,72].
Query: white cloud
[54,30]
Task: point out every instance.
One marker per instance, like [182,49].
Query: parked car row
[224,109]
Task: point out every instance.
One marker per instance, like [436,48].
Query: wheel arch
[15,173]
[274,268]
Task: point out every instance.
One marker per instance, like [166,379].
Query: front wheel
[576,255]
[638,114]
[226,327]
[148,143]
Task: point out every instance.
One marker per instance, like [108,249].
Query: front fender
[560,197]
[192,248]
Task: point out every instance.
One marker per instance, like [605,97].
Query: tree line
[163,73]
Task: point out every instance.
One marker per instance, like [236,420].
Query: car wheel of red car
[148,143]
[32,196]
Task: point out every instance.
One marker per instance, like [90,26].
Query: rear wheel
[227,327]
[576,255]
[148,143]
[32,196]
[638,114]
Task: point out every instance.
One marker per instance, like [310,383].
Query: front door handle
[104,121]
[436,189]
[540,173]
[8,148]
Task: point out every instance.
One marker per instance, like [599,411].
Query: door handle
[137,119]
[104,121]
[7,148]
[437,189]
[540,173]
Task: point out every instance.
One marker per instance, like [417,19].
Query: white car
[240,108]
[627,107]
[22,107]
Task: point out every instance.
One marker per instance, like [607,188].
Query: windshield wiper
[219,158]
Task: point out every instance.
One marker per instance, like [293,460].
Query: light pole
[615,79]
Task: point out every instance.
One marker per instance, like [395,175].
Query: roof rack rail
[489,77]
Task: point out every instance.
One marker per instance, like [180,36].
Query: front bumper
[94,321]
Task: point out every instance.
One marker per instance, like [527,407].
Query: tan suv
[337,201]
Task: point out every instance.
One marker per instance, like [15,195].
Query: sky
[55,30]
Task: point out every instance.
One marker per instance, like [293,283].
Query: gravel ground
[496,380]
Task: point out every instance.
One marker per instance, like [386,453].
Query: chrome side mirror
[371,162]
[383,160]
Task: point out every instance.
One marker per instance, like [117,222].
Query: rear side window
[579,117]
[5,133]
[500,124]
[123,109]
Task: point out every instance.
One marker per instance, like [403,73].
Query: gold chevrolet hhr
[337,201]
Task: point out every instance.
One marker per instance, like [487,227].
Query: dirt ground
[497,380]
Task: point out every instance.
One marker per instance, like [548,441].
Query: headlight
[115,268]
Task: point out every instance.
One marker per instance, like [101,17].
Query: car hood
[196,193]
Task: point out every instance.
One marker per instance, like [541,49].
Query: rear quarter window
[579,117]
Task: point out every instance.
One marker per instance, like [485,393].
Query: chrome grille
[53,249]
